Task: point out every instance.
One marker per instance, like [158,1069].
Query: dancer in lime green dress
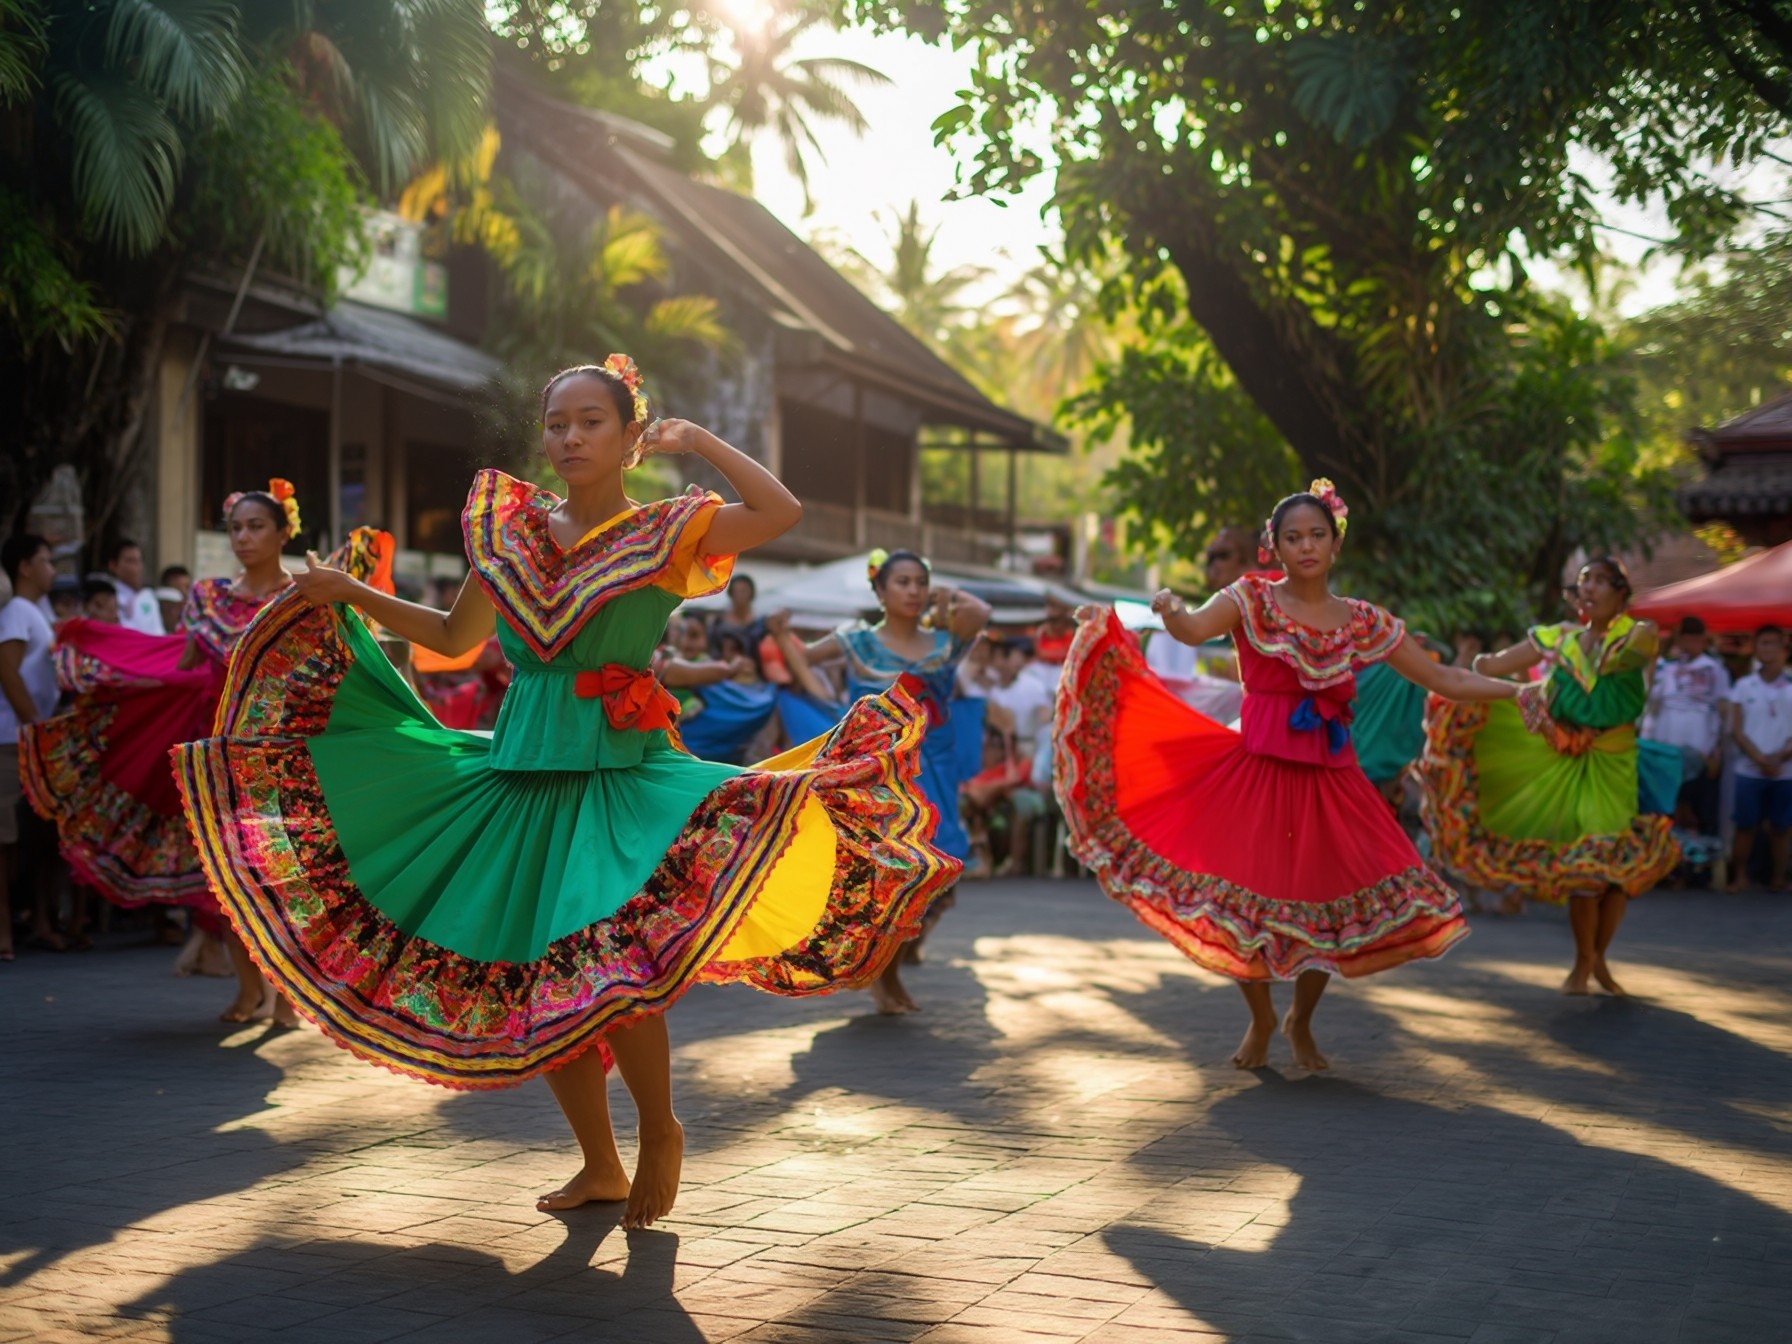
[1545,802]
[475,909]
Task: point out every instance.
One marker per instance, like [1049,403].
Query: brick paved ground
[1055,1150]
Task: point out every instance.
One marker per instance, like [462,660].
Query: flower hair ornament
[630,374]
[1327,494]
[879,558]
[281,492]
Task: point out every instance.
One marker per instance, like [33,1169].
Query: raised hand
[1167,603]
[671,438]
[321,584]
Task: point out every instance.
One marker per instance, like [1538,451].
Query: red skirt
[1255,867]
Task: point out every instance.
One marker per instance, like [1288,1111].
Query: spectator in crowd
[1684,711]
[137,606]
[977,674]
[179,578]
[739,624]
[1760,714]
[171,600]
[28,693]
[689,668]
[64,599]
[1021,705]
[100,600]
[1228,558]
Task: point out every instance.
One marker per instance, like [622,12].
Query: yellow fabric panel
[690,572]
[794,895]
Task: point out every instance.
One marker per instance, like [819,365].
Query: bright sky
[866,180]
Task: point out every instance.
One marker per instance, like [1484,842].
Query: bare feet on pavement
[588,1187]
[1306,1050]
[1603,974]
[657,1166]
[1253,1050]
[1576,983]
[888,994]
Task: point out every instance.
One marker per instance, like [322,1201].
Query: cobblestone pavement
[1056,1150]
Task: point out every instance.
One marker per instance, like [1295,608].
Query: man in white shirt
[27,694]
[1025,701]
[137,606]
[1684,711]
[1760,713]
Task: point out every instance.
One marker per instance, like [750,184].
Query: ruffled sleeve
[691,570]
[1546,638]
[1376,631]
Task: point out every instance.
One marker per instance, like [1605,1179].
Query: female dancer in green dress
[477,909]
[1552,811]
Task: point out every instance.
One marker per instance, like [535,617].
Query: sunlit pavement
[1056,1149]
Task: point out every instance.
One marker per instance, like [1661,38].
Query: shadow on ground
[1408,1218]
[335,1292]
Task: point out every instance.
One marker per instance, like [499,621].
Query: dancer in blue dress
[925,632]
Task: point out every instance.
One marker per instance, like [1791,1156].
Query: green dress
[1553,813]
[475,908]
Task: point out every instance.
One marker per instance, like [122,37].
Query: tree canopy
[1330,211]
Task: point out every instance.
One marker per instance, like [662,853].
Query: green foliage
[1723,348]
[40,297]
[278,172]
[1348,196]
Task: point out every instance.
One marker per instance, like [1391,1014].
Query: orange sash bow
[633,697]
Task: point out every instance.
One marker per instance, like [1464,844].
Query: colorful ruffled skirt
[472,926]
[1255,867]
[1551,815]
[100,771]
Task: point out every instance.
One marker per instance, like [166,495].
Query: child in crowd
[1760,718]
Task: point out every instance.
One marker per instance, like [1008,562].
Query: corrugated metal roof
[372,338]
[800,290]
[1738,487]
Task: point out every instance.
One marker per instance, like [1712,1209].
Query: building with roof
[827,389]
[1747,480]
[372,407]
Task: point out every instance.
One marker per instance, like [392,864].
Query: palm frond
[126,157]
[626,250]
[454,47]
[22,48]
[835,67]
[688,317]
[183,51]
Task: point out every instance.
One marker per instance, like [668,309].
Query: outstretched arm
[1218,615]
[450,633]
[1453,683]
[766,509]
[683,672]
[1508,662]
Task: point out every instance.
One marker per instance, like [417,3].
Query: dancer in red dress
[1263,854]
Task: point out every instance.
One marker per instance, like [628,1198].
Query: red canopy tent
[1750,593]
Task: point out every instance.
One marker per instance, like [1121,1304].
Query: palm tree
[770,90]
[933,304]
[109,110]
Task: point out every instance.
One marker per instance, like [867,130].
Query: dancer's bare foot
[657,1166]
[588,1187]
[1299,1032]
[243,1007]
[1576,983]
[1253,1050]
[889,996]
[1603,974]
[284,1014]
